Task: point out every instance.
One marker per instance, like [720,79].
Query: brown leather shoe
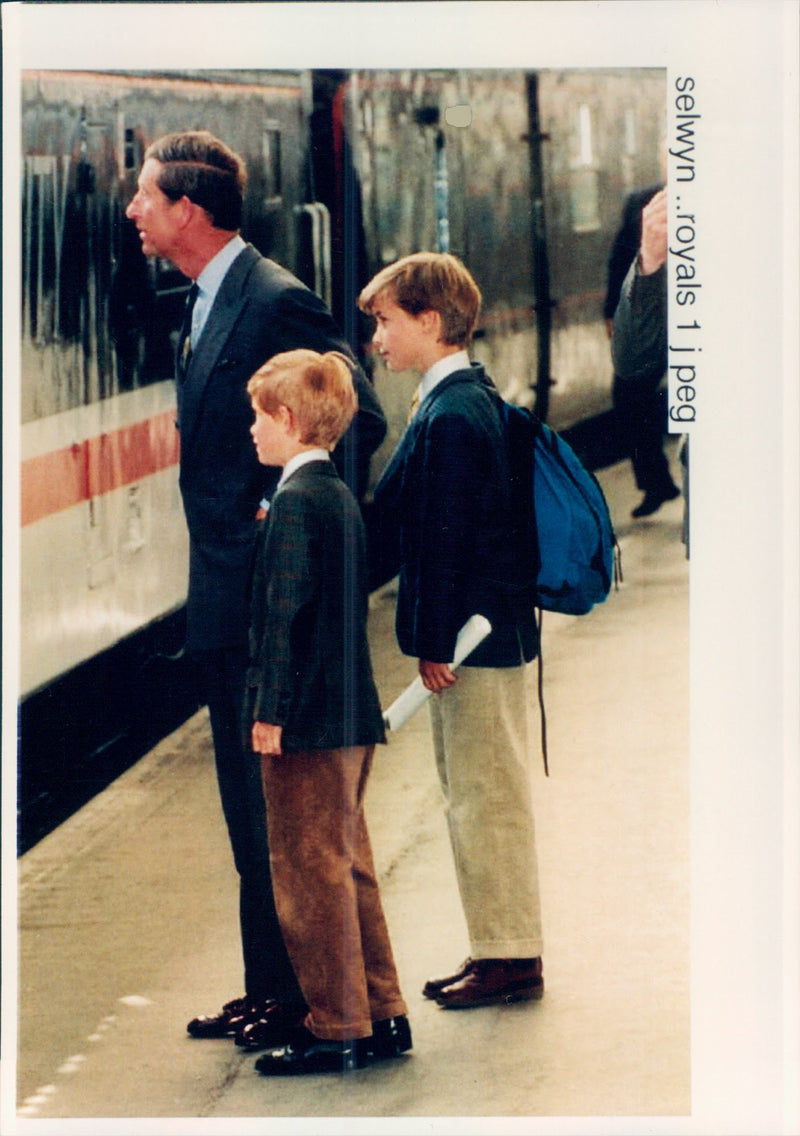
[434,985]
[491,982]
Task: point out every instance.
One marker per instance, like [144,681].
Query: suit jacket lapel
[389,477]
[229,303]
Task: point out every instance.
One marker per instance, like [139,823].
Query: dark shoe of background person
[390,1038]
[492,982]
[272,1028]
[233,1016]
[653,500]
[306,1053]
[434,985]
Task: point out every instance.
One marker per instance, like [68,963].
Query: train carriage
[103,541]
[526,174]
[521,173]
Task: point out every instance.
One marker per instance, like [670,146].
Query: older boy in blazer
[243,308]
[313,715]
[441,518]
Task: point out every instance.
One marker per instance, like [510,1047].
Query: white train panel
[104,545]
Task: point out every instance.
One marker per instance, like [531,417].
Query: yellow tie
[415,401]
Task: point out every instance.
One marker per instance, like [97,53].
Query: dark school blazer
[441,518]
[310,670]
[260,310]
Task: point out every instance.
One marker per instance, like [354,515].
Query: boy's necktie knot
[416,398]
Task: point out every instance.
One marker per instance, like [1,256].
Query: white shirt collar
[210,280]
[214,272]
[458,361]
[300,459]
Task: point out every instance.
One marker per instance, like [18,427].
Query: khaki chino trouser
[480,739]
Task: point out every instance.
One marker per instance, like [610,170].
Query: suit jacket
[626,245]
[441,518]
[260,310]
[310,669]
[639,344]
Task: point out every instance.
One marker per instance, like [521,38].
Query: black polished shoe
[273,1028]
[653,500]
[306,1053]
[390,1037]
[232,1017]
[434,985]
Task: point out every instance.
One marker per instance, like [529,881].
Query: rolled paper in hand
[471,634]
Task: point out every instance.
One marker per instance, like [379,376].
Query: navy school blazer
[441,520]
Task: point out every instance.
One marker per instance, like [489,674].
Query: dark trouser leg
[268,971]
[641,416]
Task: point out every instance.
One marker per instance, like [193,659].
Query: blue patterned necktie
[185,349]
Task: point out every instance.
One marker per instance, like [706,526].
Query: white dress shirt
[458,361]
[209,282]
[301,459]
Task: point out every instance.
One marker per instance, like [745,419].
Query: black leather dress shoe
[230,1020]
[653,500]
[306,1053]
[390,1038]
[434,985]
[493,982]
[274,1027]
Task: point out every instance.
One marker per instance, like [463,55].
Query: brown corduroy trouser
[326,892]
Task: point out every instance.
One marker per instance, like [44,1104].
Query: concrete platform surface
[128,912]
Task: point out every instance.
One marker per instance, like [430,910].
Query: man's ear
[186,211]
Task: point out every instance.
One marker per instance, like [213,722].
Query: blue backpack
[564,531]
[565,528]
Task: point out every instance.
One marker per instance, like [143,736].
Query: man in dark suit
[639,343]
[242,309]
[638,403]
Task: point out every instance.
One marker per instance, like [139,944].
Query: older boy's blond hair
[318,389]
[430,281]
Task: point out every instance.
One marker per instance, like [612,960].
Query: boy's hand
[266,739]
[436,676]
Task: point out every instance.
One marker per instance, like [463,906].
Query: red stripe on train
[63,478]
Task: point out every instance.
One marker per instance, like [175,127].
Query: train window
[584,200]
[133,150]
[585,135]
[43,218]
[271,152]
[584,183]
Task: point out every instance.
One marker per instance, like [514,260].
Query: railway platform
[128,911]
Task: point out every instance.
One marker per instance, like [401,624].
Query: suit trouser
[326,890]
[641,413]
[268,970]
[480,741]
